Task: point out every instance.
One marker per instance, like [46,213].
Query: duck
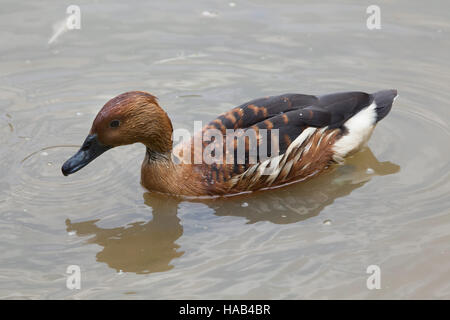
[275,140]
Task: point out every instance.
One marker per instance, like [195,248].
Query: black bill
[90,150]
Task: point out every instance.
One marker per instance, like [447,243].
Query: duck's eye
[114,123]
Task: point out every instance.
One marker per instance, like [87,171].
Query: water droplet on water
[78,113]
[43,153]
[209,14]
[232,4]
[327,222]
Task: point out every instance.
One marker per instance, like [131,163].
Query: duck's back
[276,140]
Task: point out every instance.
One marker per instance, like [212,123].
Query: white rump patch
[360,128]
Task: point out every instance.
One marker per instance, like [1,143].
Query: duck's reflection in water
[140,247]
[150,246]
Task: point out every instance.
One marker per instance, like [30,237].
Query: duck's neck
[156,157]
[161,173]
[158,172]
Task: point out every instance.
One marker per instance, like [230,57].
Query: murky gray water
[388,206]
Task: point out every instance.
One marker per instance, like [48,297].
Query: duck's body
[309,133]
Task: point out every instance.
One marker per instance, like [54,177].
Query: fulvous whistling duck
[312,132]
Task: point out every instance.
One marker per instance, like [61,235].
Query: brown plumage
[281,139]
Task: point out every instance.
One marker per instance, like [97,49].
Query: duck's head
[128,118]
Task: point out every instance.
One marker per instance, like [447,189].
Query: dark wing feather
[290,114]
[327,110]
[343,105]
[252,112]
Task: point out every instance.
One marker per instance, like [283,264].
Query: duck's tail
[384,100]
[360,126]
